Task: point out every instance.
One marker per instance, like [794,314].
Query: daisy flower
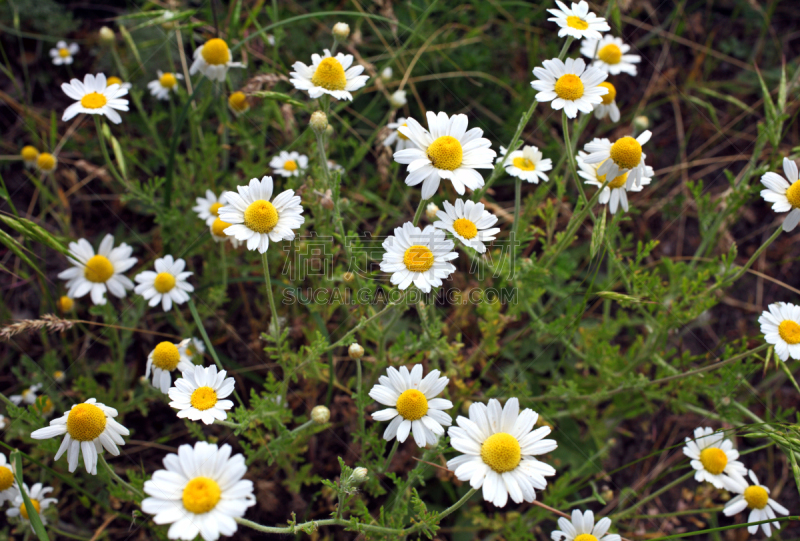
[213,59]
[400,141]
[418,256]
[762,507]
[289,164]
[469,222]
[782,194]
[625,155]
[114,80]
[28,396]
[46,162]
[207,208]
[413,406]
[329,75]
[447,151]
[29,155]
[7,489]
[95,98]
[63,53]
[166,285]
[258,221]
[37,496]
[2,423]
[583,528]
[65,304]
[578,22]
[527,164]
[238,104]
[217,230]
[193,347]
[780,325]
[199,394]
[499,445]
[715,459]
[611,56]
[608,108]
[99,272]
[163,360]
[87,428]
[166,81]
[398,99]
[570,86]
[200,491]
[615,191]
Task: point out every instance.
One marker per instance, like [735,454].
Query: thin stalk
[359,400]
[106,155]
[363,323]
[223,257]
[723,528]
[517,205]
[656,494]
[752,260]
[391,455]
[119,479]
[273,310]
[418,214]
[571,155]
[458,504]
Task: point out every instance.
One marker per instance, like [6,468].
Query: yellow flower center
[261,216]
[215,52]
[446,153]
[714,460]
[44,405]
[418,258]
[789,331]
[626,152]
[610,54]
[612,93]
[168,80]
[501,452]
[218,228]
[23,510]
[204,398]
[63,53]
[400,134]
[618,181]
[201,495]
[189,352]
[577,23]
[93,100]
[465,228]
[329,75]
[290,165]
[412,405]
[585,537]
[6,478]
[113,80]
[756,497]
[238,101]
[793,194]
[166,356]
[164,282]
[98,269]
[58,374]
[569,87]
[29,153]
[65,304]
[523,163]
[86,422]
[46,161]
[214,209]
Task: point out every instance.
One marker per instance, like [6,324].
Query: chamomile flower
[3,423]
[65,304]
[418,256]
[37,495]
[29,155]
[28,396]
[217,230]
[163,360]
[193,347]
[527,164]
[714,459]
[583,528]
[87,428]
[780,325]
[207,208]
[578,22]
[570,86]
[615,191]
[59,375]
[469,222]
[166,285]
[95,98]
[447,151]
[98,273]
[413,406]
[63,53]
[608,108]
[289,164]
[625,155]
[238,104]
[400,141]
[782,194]
[7,489]
[499,446]
[199,394]
[200,492]
[398,99]
[161,87]
[328,74]
[257,220]
[610,55]
[114,80]
[762,507]
[213,59]
[46,162]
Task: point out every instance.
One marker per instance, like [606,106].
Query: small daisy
[626,157]
[611,55]
[469,222]
[583,528]
[217,230]
[499,445]
[46,162]
[37,496]
[166,285]
[192,348]
[213,59]
[87,428]
[63,53]
[396,138]
[762,507]
[114,80]
[398,99]
[447,151]
[609,106]
[3,423]
[258,221]
[570,86]
[207,208]
[418,256]
[200,492]
[782,194]
[163,360]
[615,191]
[98,273]
[59,375]
[578,22]
[166,81]
[199,394]
[527,164]
[413,406]
[329,75]
[715,459]
[29,155]
[7,489]
[44,406]
[238,104]
[65,304]
[289,164]
[780,325]
[95,98]
[28,395]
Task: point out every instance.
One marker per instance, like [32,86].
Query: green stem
[119,479]
[104,149]
[224,266]
[273,311]
[722,528]
[359,398]
[458,504]
[517,205]
[418,214]
[656,494]
[571,156]
[391,455]
[752,260]
[363,323]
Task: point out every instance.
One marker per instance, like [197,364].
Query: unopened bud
[360,475]
[320,415]
[319,121]
[107,36]
[355,351]
[386,74]
[398,99]
[341,31]
[430,211]
[329,131]
[641,122]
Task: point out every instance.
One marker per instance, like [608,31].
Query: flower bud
[329,131]
[386,74]
[360,475]
[430,211]
[641,122]
[341,31]
[355,351]
[107,36]
[319,121]
[398,99]
[320,414]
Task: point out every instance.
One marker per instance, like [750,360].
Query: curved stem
[104,149]
[119,479]
[418,214]
[752,260]
[571,155]
[391,455]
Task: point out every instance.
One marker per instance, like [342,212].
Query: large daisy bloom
[527,164]
[98,273]
[207,208]
[39,502]
[782,194]
[199,394]
[762,507]
[499,445]
[413,406]
[583,528]
[87,428]
[7,489]
[448,151]
[614,193]
[63,53]
[570,86]
[166,285]
[578,21]
[257,220]
[400,141]
[608,108]
[200,491]
[625,155]
[714,459]
[418,256]
[163,360]
[213,59]
[289,164]
[469,222]
[95,97]
[780,325]
[329,75]
[166,81]
[610,55]
[28,396]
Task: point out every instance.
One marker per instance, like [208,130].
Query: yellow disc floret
[577,23]
[789,331]
[113,80]
[418,258]
[65,304]
[166,356]
[23,510]
[86,422]
[164,282]
[218,228]
[6,478]
[201,495]
[609,98]
[29,153]
[215,52]
[329,75]
[168,80]
[261,216]
[585,537]
[793,194]
[756,497]
[63,53]
[290,165]
[94,100]
[46,161]
[446,153]
[714,460]
[204,398]
[466,228]
[412,405]
[501,452]
[618,182]
[626,152]
[238,102]
[569,87]
[610,54]
[523,163]
[98,269]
